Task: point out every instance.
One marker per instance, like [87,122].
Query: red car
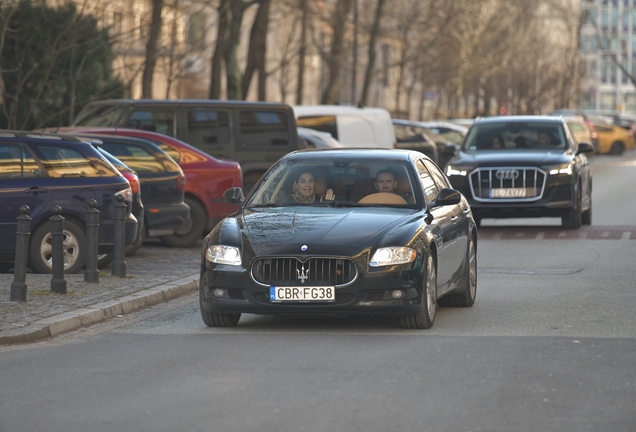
[206,179]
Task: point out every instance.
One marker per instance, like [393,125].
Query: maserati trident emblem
[507,174]
[302,274]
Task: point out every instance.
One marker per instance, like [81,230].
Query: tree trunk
[257,50]
[217,58]
[335,57]
[152,49]
[232,72]
[375,31]
[301,53]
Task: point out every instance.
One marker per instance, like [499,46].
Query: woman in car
[304,190]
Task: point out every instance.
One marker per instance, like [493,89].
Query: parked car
[351,126]
[613,139]
[583,131]
[536,169]
[362,252]
[256,134]
[206,179]
[412,136]
[316,139]
[451,132]
[137,206]
[44,170]
[162,182]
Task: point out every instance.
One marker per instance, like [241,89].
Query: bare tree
[335,56]
[257,51]
[374,35]
[152,49]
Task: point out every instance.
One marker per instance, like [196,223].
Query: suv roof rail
[32,134]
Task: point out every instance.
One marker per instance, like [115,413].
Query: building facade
[608,55]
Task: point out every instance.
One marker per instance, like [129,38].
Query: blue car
[43,170]
[161,178]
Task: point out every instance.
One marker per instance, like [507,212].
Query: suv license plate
[508,193]
[302,294]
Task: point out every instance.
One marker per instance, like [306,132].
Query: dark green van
[256,134]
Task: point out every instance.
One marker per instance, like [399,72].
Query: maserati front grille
[282,272]
[496,184]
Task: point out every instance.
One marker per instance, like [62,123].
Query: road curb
[68,321]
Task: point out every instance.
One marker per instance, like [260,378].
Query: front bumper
[166,220]
[370,293]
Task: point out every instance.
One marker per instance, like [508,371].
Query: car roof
[12,134]
[201,102]
[359,153]
[520,118]
[122,139]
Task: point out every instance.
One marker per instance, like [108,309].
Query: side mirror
[233,195]
[585,148]
[447,197]
[450,150]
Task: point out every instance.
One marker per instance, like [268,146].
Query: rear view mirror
[446,197]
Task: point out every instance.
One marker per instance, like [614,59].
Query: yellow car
[614,139]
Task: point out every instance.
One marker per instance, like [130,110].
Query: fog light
[397,294]
[218,292]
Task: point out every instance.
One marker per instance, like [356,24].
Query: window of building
[604,18]
[196,31]
[592,70]
[604,71]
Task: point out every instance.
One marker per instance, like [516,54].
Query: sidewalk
[153,275]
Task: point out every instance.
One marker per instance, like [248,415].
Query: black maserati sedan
[524,166]
[342,232]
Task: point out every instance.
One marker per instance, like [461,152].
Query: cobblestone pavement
[155,273]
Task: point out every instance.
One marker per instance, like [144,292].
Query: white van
[351,126]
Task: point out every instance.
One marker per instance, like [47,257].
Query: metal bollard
[91,274]
[119,246]
[58,283]
[19,286]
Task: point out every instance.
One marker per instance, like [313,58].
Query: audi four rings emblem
[507,174]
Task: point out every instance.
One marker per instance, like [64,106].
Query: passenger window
[62,162]
[14,166]
[208,129]
[161,121]
[264,129]
[136,157]
[427,182]
[320,123]
[438,176]
[171,151]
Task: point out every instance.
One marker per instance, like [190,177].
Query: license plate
[508,193]
[302,294]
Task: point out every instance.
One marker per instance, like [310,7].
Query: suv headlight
[223,255]
[563,169]
[392,256]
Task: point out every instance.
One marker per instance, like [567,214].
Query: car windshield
[100,115]
[295,181]
[512,136]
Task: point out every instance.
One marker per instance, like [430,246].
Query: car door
[23,181]
[444,232]
[460,215]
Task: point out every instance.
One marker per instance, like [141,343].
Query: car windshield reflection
[515,136]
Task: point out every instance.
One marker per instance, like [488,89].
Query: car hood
[513,157]
[285,230]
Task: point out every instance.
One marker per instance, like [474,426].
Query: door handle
[454,219]
[36,190]
[466,211]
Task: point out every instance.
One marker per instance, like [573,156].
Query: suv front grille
[507,184]
[311,272]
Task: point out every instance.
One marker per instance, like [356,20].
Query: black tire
[214,319]
[103,260]
[573,220]
[586,216]
[74,241]
[138,243]
[191,231]
[425,318]
[617,148]
[466,298]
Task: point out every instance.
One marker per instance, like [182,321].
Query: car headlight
[223,255]
[563,169]
[458,170]
[392,256]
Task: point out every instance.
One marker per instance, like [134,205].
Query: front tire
[214,319]
[574,219]
[192,230]
[425,318]
[74,248]
[467,297]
